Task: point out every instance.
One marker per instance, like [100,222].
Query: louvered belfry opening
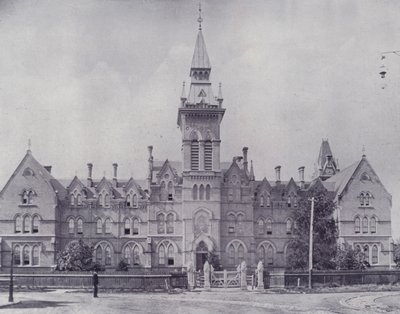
[194,155]
[208,155]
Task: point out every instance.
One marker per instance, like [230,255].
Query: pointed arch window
[372,226]
[231,223]
[72,199]
[362,199]
[99,255]
[35,224]
[366,253]
[171,255]
[170,223]
[201,192]
[367,199]
[71,225]
[163,191]
[26,255]
[136,255]
[135,226]
[80,226]
[289,201]
[107,200]
[268,201]
[99,226]
[108,255]
[262,201]
[365,225]
[375,254]
[135,201]
[289,226]
[160,223]
[208,192]
[17,255]
[18,224]
[240,218]
[231,253]
[127,226]
[79,199]
[194,192]
[27,224]
[108,225]
[240,252]
[127,254]
[170,191]
[129,200]
[35,255]
[161,255]
[260,226]
[194,154]
[208,152]
[357,224]
[269,226]
[270,255]
[25,199]
[261,254]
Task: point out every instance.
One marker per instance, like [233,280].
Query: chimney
[278,174]
[48,168]
[115,181]
[245,162]
[89,179]
[301,177]
[150,170]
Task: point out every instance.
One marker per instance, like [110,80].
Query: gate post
[225,278]
[243,276]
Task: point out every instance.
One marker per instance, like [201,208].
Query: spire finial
[200,19]
[29,145]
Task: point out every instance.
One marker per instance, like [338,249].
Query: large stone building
[183,210]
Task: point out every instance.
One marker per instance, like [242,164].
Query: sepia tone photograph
[179,156]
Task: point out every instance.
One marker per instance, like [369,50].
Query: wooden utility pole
[310,252]
[11,287]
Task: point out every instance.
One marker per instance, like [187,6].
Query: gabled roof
[200,58]
[264,185]
[291,186]
[165,167]
[56,186]
[104,183]
[75,181]
[133,184]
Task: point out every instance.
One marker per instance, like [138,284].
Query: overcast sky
[98,81]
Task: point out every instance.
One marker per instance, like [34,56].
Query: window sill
[27,205]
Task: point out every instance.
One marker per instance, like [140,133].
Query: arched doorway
[201,255]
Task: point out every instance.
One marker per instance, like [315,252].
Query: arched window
[135,225]
[367,199]
[128,200]
[135,201]
[99,255]
[163,191]
[127,255]
[108,255]
[35,255]
[194,154]
[72,200]
[79,226]
[231,253]
[27,224]
[161,255]
[160,223]
[127,226]
[171,255]
[79,199]
[17,255]
[194,192]
[240,253]
[289,201]
[101,199]
[262,201]
[240,218]
[170,191]
[208,155]
[365,225]
[269,226]
[268,201]
[201,192]
[25,199]
[260,226]
[99,226]
[295,201]
[270,255]
[170,223]
[366,253]
[71,226]
[208,192]
[107,200]
[357,223]
[26,255]
[261,254]
[108,225]
[362,199]
[289,226]
[35,224]
[375,254]
[372,227]
[231,223]
[18,224]
[136,255]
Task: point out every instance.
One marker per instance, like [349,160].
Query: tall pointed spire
[200,60]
